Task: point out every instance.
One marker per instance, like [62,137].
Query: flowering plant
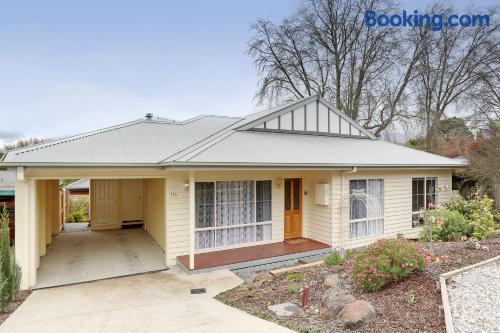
[385,261]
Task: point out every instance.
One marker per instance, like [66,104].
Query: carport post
[26,238]
[191,219]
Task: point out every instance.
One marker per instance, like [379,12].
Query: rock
[357,314]
[332,281]
[253,285]
[334,302]
[284,309]
[337,269]
[263,278]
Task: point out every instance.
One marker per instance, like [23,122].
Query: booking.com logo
[436,22]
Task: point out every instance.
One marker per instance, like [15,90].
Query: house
[7,186]
[214,190]
[7,194]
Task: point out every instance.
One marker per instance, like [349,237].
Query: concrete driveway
[156,302]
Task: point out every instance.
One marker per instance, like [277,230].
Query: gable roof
[218,141]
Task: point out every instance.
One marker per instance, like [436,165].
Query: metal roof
[7,180]
[82,184]
[217,141]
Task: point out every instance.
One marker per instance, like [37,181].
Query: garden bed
[412,305]
[21,297]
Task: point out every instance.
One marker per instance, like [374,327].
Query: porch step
[266,263]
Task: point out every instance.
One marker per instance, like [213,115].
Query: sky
[68,67]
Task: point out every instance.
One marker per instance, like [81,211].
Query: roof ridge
[211,144]
[217,134]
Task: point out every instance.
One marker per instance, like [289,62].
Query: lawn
[411,305]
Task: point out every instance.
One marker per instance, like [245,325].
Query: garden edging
[444,291]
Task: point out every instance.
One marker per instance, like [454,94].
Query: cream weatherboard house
[218,191]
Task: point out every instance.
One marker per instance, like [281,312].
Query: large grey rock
[334,302]
[332,281]
[284,309]
[357,314]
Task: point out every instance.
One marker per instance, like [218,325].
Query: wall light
[279,181]
[186,185]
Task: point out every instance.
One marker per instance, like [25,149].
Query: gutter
[235,165]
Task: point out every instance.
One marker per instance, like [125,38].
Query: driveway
[156,302]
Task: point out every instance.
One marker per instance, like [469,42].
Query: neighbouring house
[216,191]
[76,198]
[7,195]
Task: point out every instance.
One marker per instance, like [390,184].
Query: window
[423,197]
[232,212]
[366,215]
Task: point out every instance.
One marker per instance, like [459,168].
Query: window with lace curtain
[232,212]
[366,216]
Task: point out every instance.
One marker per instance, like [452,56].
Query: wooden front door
[293,208]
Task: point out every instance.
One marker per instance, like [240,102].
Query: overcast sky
[73,66]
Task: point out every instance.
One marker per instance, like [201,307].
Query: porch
[255,255]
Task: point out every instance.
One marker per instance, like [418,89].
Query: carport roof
[218,141]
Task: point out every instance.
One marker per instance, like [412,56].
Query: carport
[126,236]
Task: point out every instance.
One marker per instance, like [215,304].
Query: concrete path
[157,302]
[91,255]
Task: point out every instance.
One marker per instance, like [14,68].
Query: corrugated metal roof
[7,180]
[139,142]
[82,184]
[259,148]
[218,141]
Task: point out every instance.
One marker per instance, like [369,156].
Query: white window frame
[367,219]
[255,224]
[419,225]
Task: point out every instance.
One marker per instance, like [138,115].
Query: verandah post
[191,219]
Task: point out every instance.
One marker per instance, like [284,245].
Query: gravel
[475,299]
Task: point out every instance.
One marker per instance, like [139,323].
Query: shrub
[478,211]
[77,211]
[10,273]
[334,258]
[293,288]
[385,261]
[294,277]
[444,225]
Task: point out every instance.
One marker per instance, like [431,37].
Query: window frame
[254,224]
[367,219]
[425,194]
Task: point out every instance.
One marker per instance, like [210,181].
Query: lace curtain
[230,210]
[366,207]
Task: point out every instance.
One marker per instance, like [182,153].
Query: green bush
[293,288]
[294,277]
[10,273]
[334,258]
[385,261]
[478,211]
[444,225]
[77,211]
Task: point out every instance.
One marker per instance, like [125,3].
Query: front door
[293,208]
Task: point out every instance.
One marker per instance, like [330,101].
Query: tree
[453,62]
[378,76]
[326,48]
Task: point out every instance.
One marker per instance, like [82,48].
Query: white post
[166,194]
[33,230]
[22,239]
[191,219]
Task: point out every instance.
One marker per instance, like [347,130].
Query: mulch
[411,305]
[21,297]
